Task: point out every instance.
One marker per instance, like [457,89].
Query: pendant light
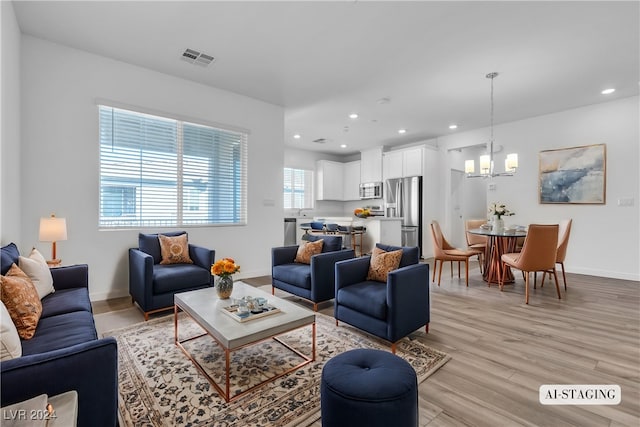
[486,161]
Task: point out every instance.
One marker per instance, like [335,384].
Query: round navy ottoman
[370,388]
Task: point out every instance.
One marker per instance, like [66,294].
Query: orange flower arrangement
[224,267]
[362,212]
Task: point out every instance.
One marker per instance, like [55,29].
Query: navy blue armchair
[314,282]
[389,310]
[152,285]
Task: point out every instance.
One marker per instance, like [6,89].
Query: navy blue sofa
[314,282]
[152,285]
[65,353]
[389,310]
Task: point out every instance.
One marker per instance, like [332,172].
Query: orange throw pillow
[382,263]
[21,298]
[307,250]
[174,250]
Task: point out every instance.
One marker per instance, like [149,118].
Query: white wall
[9,126]
[60,158]
[604,238]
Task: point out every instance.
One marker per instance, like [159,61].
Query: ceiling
[322,61]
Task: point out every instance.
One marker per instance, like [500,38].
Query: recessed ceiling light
[296,136]
[353,115]
[343,145]
[608,91]
[402,131]
[453,126]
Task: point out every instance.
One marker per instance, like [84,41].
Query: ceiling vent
[198,58]
[320,140]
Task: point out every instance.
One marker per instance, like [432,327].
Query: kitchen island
[378,230]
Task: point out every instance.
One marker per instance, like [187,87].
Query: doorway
[456,231]
[468,201]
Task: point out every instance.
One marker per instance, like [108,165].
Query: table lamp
[53,230]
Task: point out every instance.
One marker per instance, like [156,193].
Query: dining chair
[444,251]
[564,231]
[475,241]
[538,254]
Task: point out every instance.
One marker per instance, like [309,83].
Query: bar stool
[356,234]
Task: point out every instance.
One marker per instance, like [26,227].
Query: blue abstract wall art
[573,175]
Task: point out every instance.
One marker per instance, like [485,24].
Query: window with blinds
[161,172]
[298,188]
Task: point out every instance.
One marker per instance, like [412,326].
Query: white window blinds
[159,172]
[298,188]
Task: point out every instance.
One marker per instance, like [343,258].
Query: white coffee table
[204,307]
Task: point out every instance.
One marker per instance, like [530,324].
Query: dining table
[498,242]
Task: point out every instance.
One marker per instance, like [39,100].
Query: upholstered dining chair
[538,254]
[564,231]
[476,241]
[444,251]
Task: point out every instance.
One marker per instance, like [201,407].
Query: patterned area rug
[160,386]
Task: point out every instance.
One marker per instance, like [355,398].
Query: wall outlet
[491,186]
[626,201]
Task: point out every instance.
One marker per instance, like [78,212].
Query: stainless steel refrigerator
[403,199]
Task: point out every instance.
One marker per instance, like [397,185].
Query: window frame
[234,140]
[310,187]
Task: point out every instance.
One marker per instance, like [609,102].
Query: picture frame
[575,175]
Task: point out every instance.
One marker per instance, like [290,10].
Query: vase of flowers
[497,211]
[223,270]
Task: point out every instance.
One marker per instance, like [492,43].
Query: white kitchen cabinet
[351,181]
[329,180]
[402,163]
[412,162]
[392,164]
[371,165]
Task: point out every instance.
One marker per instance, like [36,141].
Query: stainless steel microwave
[371,190]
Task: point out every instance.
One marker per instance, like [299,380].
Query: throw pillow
[22,301]
[174,249]
[35,266]
[10,346]
[382,263]
[307,250]
[29,413]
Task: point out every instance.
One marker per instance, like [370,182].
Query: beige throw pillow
[28,413]
[10,345]
[382,263]
[308,249]
[35,266]
[174,249]
[22,301]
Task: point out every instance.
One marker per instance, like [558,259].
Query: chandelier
[486,161]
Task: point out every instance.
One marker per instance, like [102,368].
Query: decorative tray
[265,310]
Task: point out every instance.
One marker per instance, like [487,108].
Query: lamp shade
[511,162]
[469,166]
[53,229]
[485,163]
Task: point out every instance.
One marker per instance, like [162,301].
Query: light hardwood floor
[503,350]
